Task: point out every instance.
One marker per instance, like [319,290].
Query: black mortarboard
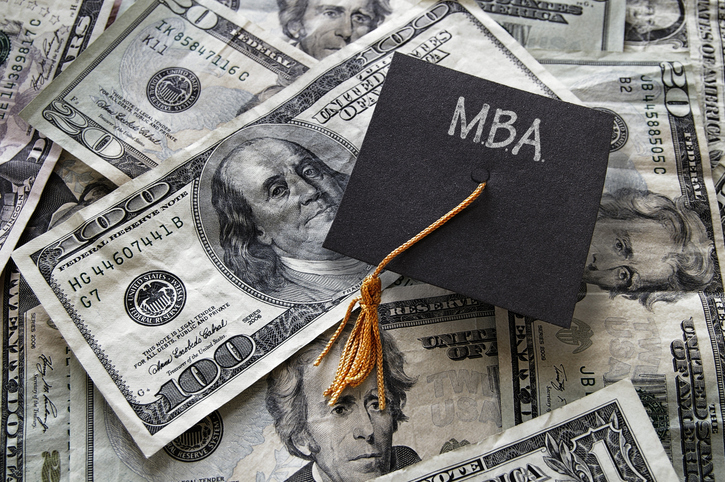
[434,135]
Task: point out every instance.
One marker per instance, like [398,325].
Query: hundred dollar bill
[564,25]
[447,375]
[35,372]
[221,249]
[652,310]
[658,26]
[601,437]
[38,40]
[164,75]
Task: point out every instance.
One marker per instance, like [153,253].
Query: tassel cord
[363,350]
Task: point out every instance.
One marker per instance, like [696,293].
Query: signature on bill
[558,383]
[49,409]
[50,53]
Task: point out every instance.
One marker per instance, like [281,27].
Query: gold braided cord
[364,349]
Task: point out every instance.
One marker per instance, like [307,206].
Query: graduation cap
[436,134]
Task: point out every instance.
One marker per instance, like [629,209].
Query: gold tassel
[364,349]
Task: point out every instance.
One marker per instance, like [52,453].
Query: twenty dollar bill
[448,349]
[652,308]
[601,437]
[164,75]
[564,25]
[34,358]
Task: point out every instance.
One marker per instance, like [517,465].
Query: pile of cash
[170,169]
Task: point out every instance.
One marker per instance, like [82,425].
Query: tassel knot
[370,293]
[363,350]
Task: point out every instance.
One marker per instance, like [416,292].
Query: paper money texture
[38,40]
[168,298]
[564,25]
